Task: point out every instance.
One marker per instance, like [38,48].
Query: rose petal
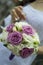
[25,52]
[28,30]
[10,28]
[15,38]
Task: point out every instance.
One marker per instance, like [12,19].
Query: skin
[40,51]
[17,12]
[38,4]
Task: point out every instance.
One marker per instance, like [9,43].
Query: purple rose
[25,52]
[10,28]
[11,56]
[15,38]
[28,30]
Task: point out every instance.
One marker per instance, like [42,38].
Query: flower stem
[11,56]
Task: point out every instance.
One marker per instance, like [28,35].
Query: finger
[20,13]
[13,12]
[14,15]
[20,7]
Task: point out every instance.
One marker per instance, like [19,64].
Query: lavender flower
[25,52]
[28,30]
[15,38]
[10,28]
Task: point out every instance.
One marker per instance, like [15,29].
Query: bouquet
[21,38]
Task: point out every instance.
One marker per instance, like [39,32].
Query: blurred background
[5,7]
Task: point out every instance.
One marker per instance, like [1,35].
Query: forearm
[40,50]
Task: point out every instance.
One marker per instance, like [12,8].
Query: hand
[40,50]
[17,14]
